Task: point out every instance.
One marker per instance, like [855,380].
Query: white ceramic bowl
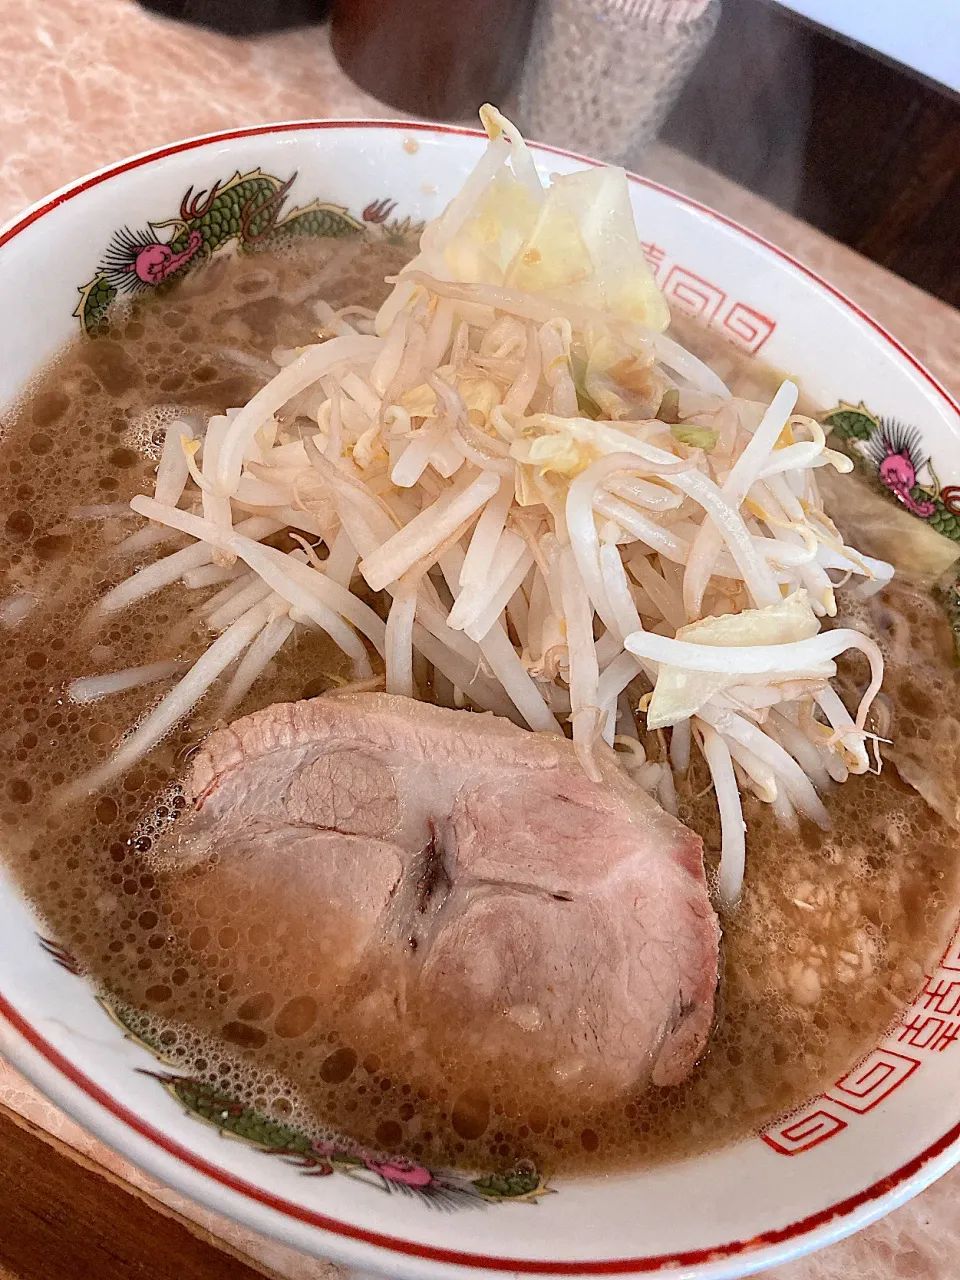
[866,1144]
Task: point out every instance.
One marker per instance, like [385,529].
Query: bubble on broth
[229,981]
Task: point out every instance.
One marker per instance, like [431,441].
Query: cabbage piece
[548,461]
[579,244]
[496,232]
[576,242]
[695,437]
[478,393]
[679,694]
[558,451]
[420,401]
[584,248]
[623,381]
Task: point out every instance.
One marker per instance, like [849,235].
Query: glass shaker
[601,75]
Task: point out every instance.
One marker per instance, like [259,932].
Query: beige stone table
[90,81]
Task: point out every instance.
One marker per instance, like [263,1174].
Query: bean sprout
[542,552]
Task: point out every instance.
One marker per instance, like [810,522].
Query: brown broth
[233,979]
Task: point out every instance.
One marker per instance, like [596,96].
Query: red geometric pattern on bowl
[872,1080]
[804,1131]
[746,327]
[654,255]
[930,1025]
[692,294]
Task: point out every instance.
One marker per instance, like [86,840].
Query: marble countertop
[89,81]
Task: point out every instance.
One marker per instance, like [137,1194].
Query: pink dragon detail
[154,262]
[411,1175]
[394,1169]
[137,260]
[895,451]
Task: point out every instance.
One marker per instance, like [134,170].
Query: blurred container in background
[243,17]
[437,58]
[601,75]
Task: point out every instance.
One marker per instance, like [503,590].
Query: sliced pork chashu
[482,871]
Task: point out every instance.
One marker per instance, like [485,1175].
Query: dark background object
[62,1217]
[440,58]
[863,148]
[243,17]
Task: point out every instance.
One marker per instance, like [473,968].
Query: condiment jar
[435,58]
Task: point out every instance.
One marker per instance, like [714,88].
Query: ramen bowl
[869,1141]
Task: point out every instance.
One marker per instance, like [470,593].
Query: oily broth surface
[234,979]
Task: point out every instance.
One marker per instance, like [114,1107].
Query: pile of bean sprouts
[573,521]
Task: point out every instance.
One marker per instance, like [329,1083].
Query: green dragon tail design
[208,1101]
[247,210]
[319,1158]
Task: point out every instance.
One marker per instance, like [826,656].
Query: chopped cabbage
[620,379]
[679,694]
[578,244]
